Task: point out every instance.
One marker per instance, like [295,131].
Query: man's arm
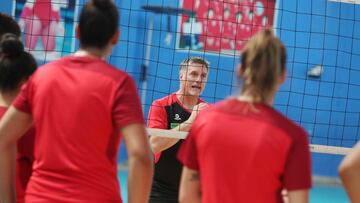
[349,171]
[140,162]
[190,189]
[298,196]
[12,126]
[159,144]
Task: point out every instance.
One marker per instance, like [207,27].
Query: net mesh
[322,90]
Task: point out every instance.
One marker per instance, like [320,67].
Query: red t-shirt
[24,160]
[79,105]
[167,113]
[246,153]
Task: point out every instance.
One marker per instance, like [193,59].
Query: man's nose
[198,79]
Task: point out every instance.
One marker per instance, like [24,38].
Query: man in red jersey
[243,150]
[15,67]
[177,112]
[81,108]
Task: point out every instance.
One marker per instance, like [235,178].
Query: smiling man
[176,112]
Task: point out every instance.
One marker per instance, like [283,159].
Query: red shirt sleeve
[127,107]
[22,101]
[297,173]
[157,117]
[187,153]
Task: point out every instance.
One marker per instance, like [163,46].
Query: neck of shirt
[87,53]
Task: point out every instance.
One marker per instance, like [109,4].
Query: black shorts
[161,193]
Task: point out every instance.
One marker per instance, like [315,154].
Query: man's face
[193,79]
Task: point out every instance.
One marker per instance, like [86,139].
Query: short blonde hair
[198,60]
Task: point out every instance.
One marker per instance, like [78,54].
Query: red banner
[223,25]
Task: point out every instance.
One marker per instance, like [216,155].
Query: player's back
[244,151]
[76,144]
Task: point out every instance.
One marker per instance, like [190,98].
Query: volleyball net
[322,90]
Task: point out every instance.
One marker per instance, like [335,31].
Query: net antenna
[156,9]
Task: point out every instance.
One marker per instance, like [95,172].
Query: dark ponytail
[11,45]
[8,25]
[16,65]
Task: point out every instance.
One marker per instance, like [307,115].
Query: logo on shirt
[174,125]
[177,117]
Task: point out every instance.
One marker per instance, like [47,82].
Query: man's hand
[196,110]
[159,144]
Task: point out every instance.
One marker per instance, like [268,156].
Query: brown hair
[16,65]
[263,62]
[8,25]
[98,22]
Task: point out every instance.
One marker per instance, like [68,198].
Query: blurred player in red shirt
[243,150]
[81,107]
[16,66]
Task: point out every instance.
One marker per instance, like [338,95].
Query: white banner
[347,1]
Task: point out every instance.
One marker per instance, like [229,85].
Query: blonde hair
[198,60]
[263,62]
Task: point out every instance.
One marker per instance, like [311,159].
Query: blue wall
[162,73]
[315,32]
[322,33]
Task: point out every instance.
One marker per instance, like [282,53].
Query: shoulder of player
[164,101]
[113,71]
[290,127]
[98,67]
[44,69]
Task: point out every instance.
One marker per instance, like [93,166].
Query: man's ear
[240,71]
[283,76]
[181,75]
[77,32]
[115,37]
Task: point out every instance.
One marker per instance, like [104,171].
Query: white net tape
[324,149]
